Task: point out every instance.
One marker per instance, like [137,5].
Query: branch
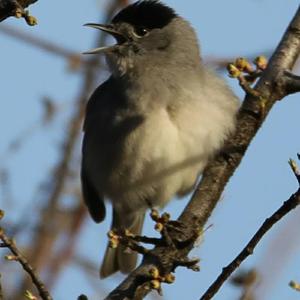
[40,42]
[8,243]
[16,8]
[74,58]
[292,82]
[271,87]
[287,206]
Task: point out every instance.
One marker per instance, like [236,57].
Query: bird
[152,126]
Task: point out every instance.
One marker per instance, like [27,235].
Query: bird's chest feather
[154,147]
[150,146]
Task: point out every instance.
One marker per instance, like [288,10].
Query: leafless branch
[271,87]
[287,206]
[75,60]
[41,43]
[293,82]
[58,261]
[8,243]
[15,8]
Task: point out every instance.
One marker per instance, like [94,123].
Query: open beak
[120,38]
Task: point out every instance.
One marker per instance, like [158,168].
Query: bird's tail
[116,259]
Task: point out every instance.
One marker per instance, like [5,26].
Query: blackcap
[152,126]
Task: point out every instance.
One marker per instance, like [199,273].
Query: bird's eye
[140,32]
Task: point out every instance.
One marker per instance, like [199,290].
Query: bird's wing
[95,114]
[97,104]
[101,131]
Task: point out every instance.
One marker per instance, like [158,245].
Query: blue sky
[263,181]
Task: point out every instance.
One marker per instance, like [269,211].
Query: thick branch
[287,206]
[292,82]
[271,87]
[8,8]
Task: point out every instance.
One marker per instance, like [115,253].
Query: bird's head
[148,34]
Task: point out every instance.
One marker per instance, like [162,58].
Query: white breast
[164,155]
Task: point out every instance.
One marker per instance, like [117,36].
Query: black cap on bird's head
[150,14]
[143,16]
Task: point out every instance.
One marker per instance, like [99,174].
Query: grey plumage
[153,125]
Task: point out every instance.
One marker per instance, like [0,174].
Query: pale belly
[154,164]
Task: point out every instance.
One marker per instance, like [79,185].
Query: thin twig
[66,251]
[75,59]
[287,206]
[147,240]
[38,42]
[295,169]
[45,295]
